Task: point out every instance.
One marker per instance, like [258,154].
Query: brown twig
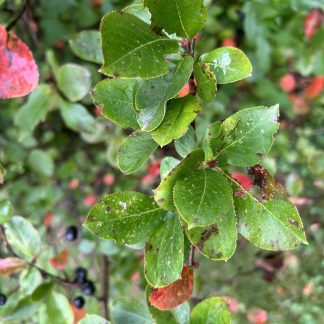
[104,299]
[191,261]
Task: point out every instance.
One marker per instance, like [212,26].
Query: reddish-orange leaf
[48,218]
[184,91]
[315,88]
[287,82]
[11,265]
[59,260]
[312,22]
[18,70]
[229,41]
[174,294]
[78,313]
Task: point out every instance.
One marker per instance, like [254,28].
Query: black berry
[78,302]
[80,275]
[3,299]
[71,233]
[88,288]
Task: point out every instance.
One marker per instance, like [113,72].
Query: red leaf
[245,181]
[184,91]
[48,218]
[18,70]
[174,294]
[11,265]
[58,261]
[315,87]
[312,22]
[287,82]
[78,313]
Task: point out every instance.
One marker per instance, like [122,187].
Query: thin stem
[16,19]
[104,299]
[192,256]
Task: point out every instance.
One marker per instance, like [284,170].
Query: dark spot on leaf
[293,222]
[260,155]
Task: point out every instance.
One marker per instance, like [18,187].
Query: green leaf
[187,143]
[206,82]
[211,137]
[41,162]
[29,280]
[179,115]
[34,110]
[77,117]
[247,136]
[163,194]
[127,217]
[74,81]
[87,46]
[115,96]
[125,312]
[134,151]
[138,10]
[212,310]
[58,309]
[93,319]
[183,17]
[2,174]
[23,237]
[217,241]
[202,197]
[229,64]
[167,164]
[164,253]
[131,49]
[152,95]
[6,211]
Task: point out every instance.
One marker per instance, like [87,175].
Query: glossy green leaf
[213,310]
[167,164]
[126,217]
[187,143]
[93,319]
[6,211]
[182,17]
[41,163]
[59,310]
[229,64]
[217,241]
[77,117]
[206,82]
[29,280]
[152,95]
[247,136]
[23,237]
[124,311]
[179,115]
[74,81]
[87,46]
[164,253]
[115,96]
[34,110]
[131,49]
[211,136]
[134,151]
[202,197]
[163,194]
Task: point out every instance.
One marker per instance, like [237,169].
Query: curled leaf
[9,266]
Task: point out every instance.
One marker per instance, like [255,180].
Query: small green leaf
[59,310]
[29,280]
[212,310]
[206,82]
[74,81]
[134,151]
[125,312]
[187,143]
[167,164]
[202,197]
[6,211]
[93,319]
[77,117]
[115,96]
[23,237]
[34,110]
[217,241]
[131,49]
[163,194]
[183,17]
[126,217]
[87,46]
[138,10]
[152,95]
[164,253]
[229,64]
[41,162]
[247,136]
[211,134]
[179,115]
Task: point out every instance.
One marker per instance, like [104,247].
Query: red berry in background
[229,41]
[300,106]
[245,181]
[257,316]
[312,22]
[90,200]
[48,218]
[98,110]
[108,179]
[315,88]
[153,172]
[74,183]
[288,82]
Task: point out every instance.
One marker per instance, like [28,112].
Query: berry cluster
[87,286]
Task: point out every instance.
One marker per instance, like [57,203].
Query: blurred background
[55,169]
